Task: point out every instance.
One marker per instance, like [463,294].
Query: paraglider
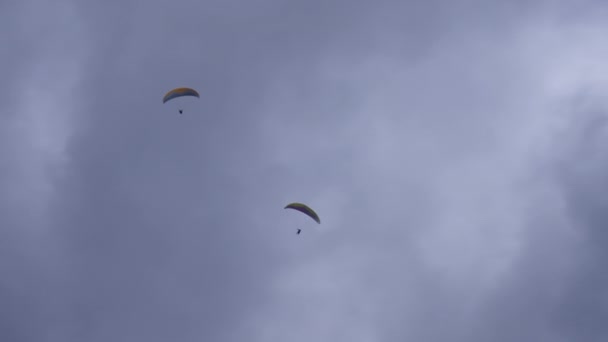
[179,92]
[303,208]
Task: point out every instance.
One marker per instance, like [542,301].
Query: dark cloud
[423,134]
[583,305]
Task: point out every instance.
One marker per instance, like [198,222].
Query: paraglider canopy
[179,92]
[304,209]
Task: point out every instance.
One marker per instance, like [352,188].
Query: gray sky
[455,151]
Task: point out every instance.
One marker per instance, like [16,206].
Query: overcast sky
[454,150]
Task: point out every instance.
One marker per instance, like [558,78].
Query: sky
[454,151]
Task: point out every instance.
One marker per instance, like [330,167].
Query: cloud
[452,152]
